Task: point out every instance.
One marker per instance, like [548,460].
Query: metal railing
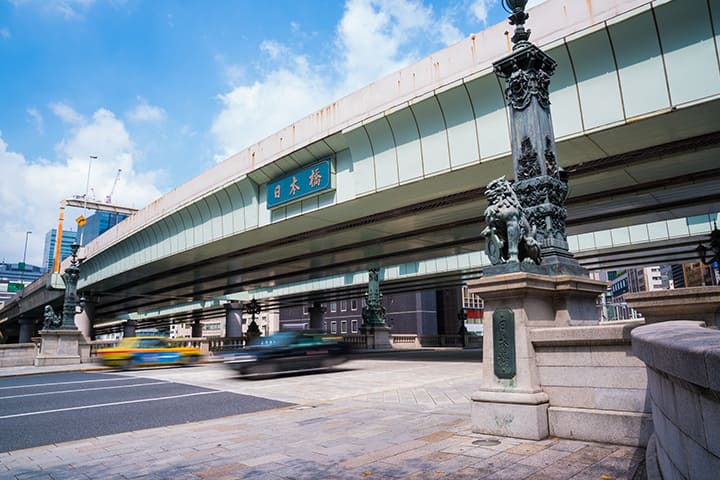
[611,312]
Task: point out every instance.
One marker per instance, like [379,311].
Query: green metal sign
[504,343]
[309,181]
[14,287]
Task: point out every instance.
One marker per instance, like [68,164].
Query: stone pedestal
[693,303]
[60,347]
[378,338]
[511,401]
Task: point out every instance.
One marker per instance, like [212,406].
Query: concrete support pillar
[85,319]
[27,329]
[317,314]
[197,326]
[233,319]
[129,328]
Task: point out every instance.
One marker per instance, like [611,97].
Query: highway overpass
[635,102]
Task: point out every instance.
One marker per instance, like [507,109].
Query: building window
[343,305]
[305,309]
[354,326]
[343,326]
[333,327]
[333,307]
[353,304]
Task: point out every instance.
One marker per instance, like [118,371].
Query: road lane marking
[66,383]
[83,390]
[112,404]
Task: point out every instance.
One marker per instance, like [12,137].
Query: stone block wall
[17,355]
[597,388]
[683,363]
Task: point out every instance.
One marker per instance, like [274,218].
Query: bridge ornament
[373,313]
[252,308]
[70,306]
[540,184]
[508,234]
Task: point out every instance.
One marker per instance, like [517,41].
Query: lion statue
[508,234]
[50,319]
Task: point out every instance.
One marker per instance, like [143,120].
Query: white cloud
[252,112]
[31,191]
[66,113]
[233,73]
[276,50]
[37,119]
[479,9]
[373,39]
[144,112]
[68,9]
[4,33]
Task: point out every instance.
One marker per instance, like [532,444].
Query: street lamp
[518,16]
[22,270]
[252,308]
[71,303]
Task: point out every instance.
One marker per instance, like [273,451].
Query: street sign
[14,287]
[81,221]
[313,180]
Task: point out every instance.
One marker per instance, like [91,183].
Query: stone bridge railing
[23,354]
[683,365]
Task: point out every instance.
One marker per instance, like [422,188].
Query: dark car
[289,351]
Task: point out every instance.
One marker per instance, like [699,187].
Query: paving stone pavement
[411,430]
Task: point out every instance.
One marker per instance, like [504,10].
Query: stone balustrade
[18,354]
[683,365]
[596,387]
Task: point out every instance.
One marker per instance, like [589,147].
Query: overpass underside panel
[384,153]
[597,79]
[640,65]
[689,47]
[433,136]
[491,117]
[409,154]
[462,137]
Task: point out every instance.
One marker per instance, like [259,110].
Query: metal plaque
[309,181]
[504,343]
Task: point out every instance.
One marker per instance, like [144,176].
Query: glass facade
[68,238]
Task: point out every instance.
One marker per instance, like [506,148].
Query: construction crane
[108,198]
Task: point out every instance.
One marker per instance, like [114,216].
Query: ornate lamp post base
[62,347]
[374,328]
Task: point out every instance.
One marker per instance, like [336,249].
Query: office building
[98,223]
[68,238]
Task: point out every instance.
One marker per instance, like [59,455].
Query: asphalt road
[46,409]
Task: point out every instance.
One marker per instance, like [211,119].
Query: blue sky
[163,89]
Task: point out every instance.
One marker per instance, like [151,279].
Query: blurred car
[146,351]
[289,351]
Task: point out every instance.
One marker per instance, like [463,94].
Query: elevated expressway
[636,114]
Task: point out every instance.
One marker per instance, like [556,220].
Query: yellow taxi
[147,351]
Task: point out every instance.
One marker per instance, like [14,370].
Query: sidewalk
[411,431]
